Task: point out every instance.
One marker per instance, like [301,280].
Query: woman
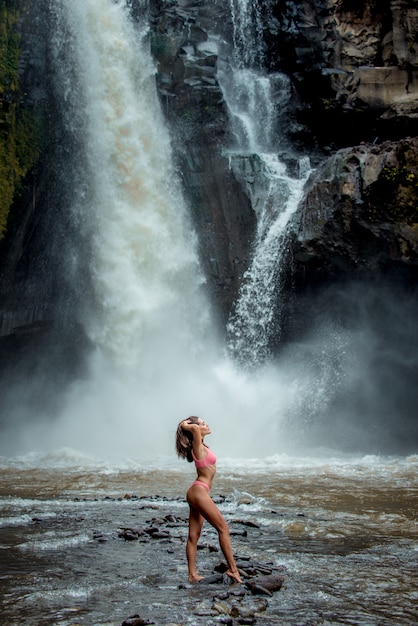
[190,445]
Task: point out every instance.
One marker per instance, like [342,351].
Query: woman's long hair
[184,439]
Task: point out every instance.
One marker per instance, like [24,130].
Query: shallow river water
[343,533]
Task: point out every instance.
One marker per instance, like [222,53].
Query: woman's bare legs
[195,528]
[202,506]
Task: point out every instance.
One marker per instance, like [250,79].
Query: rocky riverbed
[316,541]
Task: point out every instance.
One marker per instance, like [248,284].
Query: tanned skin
[202,507]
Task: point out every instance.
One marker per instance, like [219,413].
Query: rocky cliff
[353,69]
[187,40]
[359,216]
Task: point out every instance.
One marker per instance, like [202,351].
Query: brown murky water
[344,533]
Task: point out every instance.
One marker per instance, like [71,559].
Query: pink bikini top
[210,459]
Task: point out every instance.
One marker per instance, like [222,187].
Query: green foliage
[9,48]
[20,128]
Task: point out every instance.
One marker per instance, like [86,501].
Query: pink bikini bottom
[200,482]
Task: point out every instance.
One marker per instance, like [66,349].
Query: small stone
[222,608]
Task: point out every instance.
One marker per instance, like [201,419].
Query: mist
[357,344]
[346,386]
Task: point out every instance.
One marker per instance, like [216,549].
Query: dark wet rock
[130,534]
[161,535]
[203,609]
[243,612]
[265,584]
[358,216]
[260,605]
[353,66]
[260,569]
[222,607]
[237,592]
[213,548]
[213,579]
[251,568]
[136,620]
[246,570]
[152,530]
[239,533]
[245,522]
[221,567]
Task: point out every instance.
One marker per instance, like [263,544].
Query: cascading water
[143,307]
[247,24]
[144,267]
[156,354]
[255,101]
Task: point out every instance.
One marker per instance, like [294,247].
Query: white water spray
[255,101]
[145,271]
[247,23]
[146,315]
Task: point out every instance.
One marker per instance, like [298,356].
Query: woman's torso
[206,466]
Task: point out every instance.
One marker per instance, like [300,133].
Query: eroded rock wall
[354,67]
[359,216]
[188,38]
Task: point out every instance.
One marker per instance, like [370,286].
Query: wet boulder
[358,216]
[265,585]
[136,620]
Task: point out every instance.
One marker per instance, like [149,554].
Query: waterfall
[255,317]
[247,24]
[142,257]
[156,354]
[256,101]
[143,304]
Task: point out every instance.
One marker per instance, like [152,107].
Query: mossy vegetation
[394,197]
[400,175]
[21,129]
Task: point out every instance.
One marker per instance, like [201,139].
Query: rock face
[359,216]
[187,41]
[354,67]
[353,70]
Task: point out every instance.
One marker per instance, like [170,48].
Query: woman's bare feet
[234,575]
[195,578]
